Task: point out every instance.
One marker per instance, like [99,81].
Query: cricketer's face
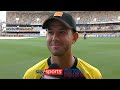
[59,38]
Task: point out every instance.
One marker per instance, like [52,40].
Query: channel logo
[53,72]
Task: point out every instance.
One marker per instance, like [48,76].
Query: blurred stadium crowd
[95,23]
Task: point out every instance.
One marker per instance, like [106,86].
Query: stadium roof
[41,11]
[29,11]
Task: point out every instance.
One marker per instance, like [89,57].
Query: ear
[75,37]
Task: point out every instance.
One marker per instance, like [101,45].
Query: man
[61,35]
[85,34]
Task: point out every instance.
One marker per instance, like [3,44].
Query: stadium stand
[94,23]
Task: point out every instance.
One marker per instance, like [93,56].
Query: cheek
[70,39]
[67,41]
[48,39]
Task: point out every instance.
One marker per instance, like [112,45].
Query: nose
[55,36]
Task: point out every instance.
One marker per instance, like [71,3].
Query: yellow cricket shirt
[87,71]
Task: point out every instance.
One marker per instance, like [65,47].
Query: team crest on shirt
[58,14]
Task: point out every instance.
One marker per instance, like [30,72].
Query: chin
[57,54]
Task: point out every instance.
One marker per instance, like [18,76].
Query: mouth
[56,46]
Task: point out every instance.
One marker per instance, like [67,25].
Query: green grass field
[16,56]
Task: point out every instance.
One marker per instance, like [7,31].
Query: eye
[62,31]
[49,31]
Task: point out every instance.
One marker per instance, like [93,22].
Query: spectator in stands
[61,35]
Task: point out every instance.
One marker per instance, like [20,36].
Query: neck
[66,61]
